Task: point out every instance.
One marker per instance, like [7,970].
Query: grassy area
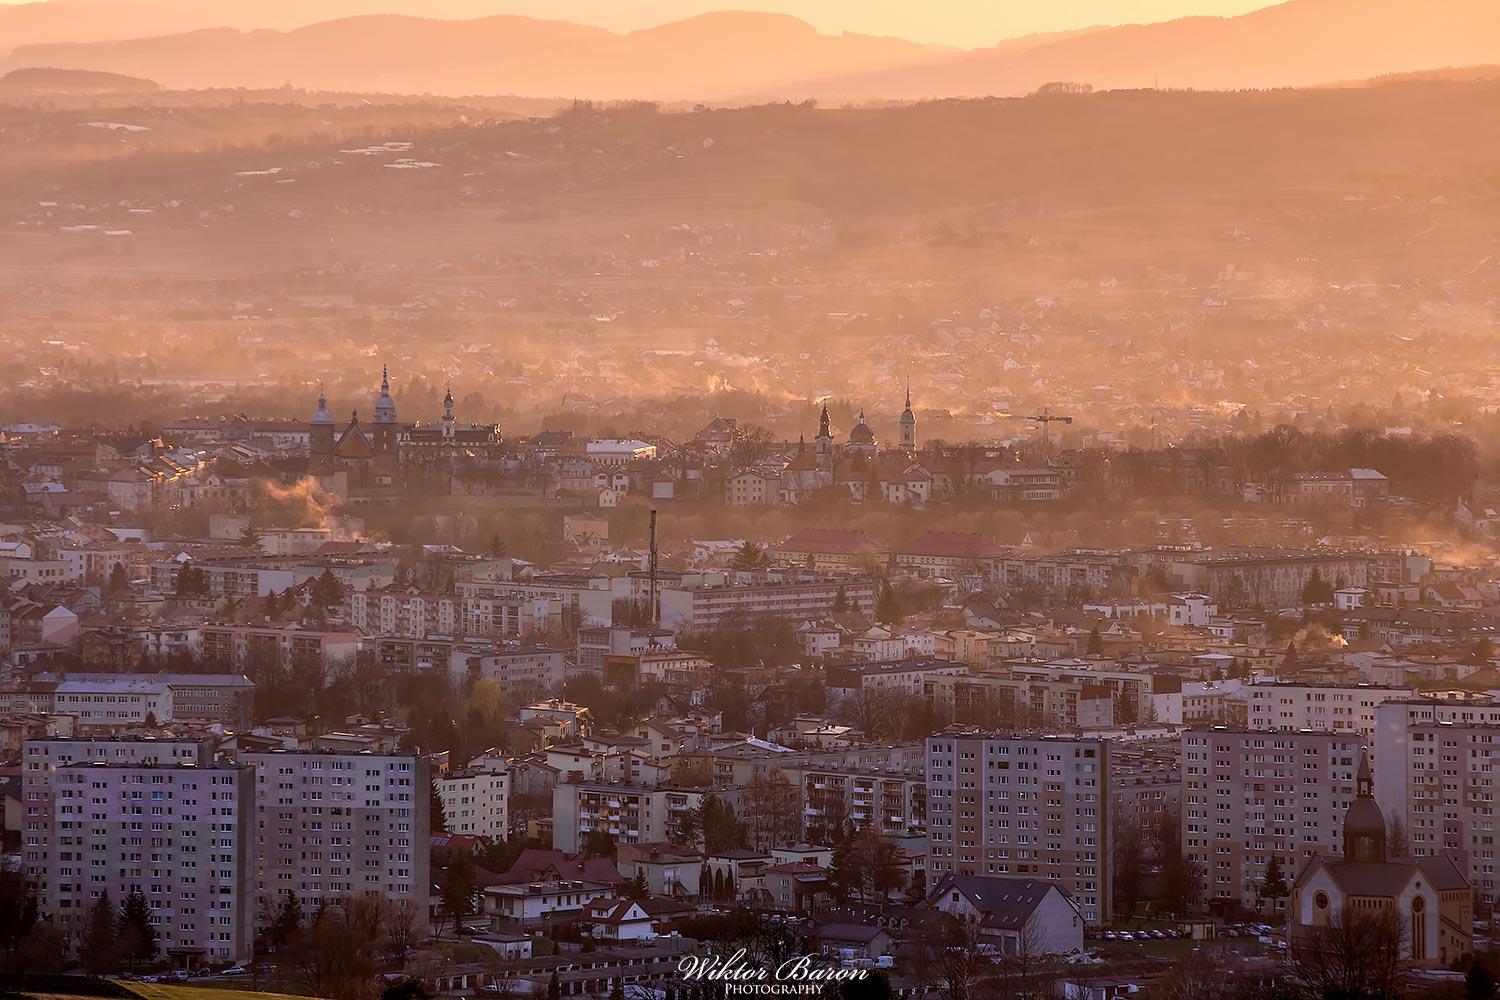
[188,991]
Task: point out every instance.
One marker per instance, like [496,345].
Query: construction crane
[1043,421]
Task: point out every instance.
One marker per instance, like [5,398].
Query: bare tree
[1021,971]
[1357,956]
[947,958]
[338,955]
[401,928]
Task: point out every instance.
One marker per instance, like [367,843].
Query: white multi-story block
[181,834]
[1436,767]
[1022,806]
[1344,708]
[332,826]
[476,800]
[1250,795]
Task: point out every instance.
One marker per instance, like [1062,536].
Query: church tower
[908,425]
[320,432]
[1364,823]
[823,443]
[385,418]
[448,415]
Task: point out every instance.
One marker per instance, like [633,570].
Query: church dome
[1364,819]
[861,434]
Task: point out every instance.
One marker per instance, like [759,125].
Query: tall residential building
[1248,795]
[1332,707]
[476,800]
[1435,777]
[330,826]
[180,833]
[629,813]
[42,843]
[1022,806]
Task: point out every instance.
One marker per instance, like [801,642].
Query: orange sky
[966,23]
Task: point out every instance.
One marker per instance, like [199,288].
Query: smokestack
[655,616]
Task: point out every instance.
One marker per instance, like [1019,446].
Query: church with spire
[862,439]
[365,462]
[1430,895]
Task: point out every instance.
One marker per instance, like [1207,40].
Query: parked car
[235,970]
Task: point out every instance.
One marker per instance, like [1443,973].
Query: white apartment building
[1248,795]
[180,833]
[476,801]
[523,672]
[127,701]
[1328,707]
[333,825]
[630,814]
[704,605]
[1436,773]
[1022,807]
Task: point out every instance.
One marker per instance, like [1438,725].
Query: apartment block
[1249,795]
[1435,775]
[334,825]
[476,801]
[43,842]
[1016,806]
[629,813]
[180,833]
[1329,707]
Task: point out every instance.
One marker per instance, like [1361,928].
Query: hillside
[45,80]
[740,56]
[707,56]
[1298,43]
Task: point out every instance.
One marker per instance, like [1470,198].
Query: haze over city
[947,501]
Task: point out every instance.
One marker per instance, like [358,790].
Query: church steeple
[1364,823]
[823,443]
[908,423]
[385,416]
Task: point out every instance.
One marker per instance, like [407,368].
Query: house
[862,940]
[665,869]
[1015,915]
[797,887]
[618,920]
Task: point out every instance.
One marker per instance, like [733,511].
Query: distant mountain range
[755,56]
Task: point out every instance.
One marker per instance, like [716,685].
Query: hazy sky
[966,23]
[955,22]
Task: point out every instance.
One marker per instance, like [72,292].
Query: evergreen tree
[1273,882]
[136,935]
[328,591]
[887,605]
[459,888]
[1317,590]
[250,537]
[554,988]
[617,990]
[272,605]
[637,888]
[287,922]
[98,949]
[1096,642]
[439,818]
[840,601]
[118,579]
